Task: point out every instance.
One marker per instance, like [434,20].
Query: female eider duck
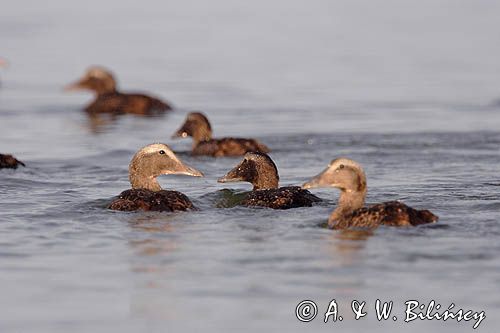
[349,177]
[110,100]
[198,127]
[260,170]
[9,162]
[146,194]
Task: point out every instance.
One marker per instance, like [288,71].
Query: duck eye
[162,152]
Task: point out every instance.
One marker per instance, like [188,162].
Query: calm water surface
[405,89]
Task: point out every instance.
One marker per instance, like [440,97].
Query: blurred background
[408,88]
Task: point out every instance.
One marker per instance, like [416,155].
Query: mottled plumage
[143,199]
[9,162]
[198,127]
[349,177]
[393,213]
[281,198]
[110,100]
[146,193]
[260,170]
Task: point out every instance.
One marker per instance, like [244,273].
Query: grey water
[407,89]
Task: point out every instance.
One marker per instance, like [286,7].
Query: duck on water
[110,100]
[146,193]
[349,177]
[198,127]
[260,170]
[9,162]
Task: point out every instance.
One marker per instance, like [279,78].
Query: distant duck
[146,194]
[110,100]
[349,177]
[260,170]
[9,162]
[198,127]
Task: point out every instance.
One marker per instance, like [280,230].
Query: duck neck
[201,134]
[266,178]
[348,202]
[148,183]
[265,183]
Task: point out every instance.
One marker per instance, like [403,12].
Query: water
[406,89]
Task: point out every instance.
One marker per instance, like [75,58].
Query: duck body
[147,200]
[228,147]
[146,193]
[110,100]
[281,198]
[349,177]
[393,213]
[121,103]
[9,162]
[198,127]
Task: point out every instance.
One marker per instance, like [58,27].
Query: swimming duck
[110,100]
[260,170]
[198,127]
[146,194]
[9,162]
[349,177]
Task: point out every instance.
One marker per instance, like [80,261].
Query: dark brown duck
[349,177]
[110,100]
[146,193]
[198,127]
[260,170]
[9,162]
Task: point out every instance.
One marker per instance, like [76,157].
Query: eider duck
[349,177]
[9,162]
[146,194]
[110,100]
[260,170]
[198,127]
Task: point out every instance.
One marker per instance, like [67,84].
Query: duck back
[281,198]
[229,147]
[392,213]
[147,200]
[120,103]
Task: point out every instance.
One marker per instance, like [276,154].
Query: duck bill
[231,176]
[3,62]
[184,169]
[320,180]
[78,85]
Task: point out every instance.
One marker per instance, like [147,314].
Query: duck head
[196,126]
[155,160]
[255,168]
[96,79]
[342,173]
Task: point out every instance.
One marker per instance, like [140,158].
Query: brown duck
[349,177]
[260,170]
[110,100]
[9,162]
[146,194]
[198,127]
